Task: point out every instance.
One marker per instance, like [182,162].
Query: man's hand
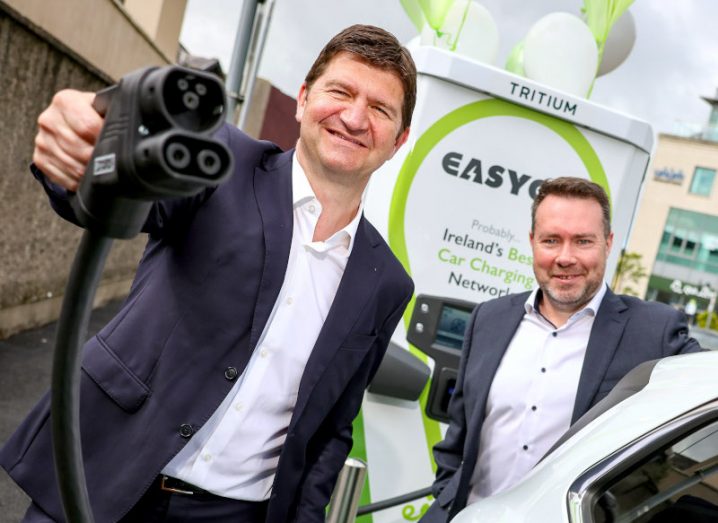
[67,131]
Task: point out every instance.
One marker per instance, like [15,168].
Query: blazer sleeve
[676,339]
[165,215]
[58,196]
[448,453]
[330,447]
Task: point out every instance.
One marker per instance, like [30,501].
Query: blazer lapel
[273,192]
[356,287]
[602,344]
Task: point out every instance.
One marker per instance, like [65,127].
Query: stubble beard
[570,300]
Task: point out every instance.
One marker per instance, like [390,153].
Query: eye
[381,110]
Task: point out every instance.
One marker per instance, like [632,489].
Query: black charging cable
[155,143]
[65,403]
[393,502]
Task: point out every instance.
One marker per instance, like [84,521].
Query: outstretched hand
[67,131]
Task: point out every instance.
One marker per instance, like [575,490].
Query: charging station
[436,328]
[454,205]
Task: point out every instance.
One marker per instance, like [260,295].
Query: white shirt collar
[302,193]
[590,308]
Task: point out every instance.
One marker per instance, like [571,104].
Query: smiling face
[570,249]
[350,120]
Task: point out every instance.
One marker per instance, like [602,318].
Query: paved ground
[25,370]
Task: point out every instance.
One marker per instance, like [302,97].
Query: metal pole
[345,500]
[239,55]
[254,59]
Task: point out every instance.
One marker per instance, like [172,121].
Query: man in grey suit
[533,363]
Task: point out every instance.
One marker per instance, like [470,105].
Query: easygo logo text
[493,175]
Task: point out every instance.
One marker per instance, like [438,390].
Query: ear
[400,140]
[609,242]
[301,102]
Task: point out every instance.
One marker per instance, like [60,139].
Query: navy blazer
[626,332]
[203,292]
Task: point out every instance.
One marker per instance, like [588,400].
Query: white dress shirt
[531,399]
[235,454]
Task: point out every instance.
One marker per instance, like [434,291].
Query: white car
[647,453]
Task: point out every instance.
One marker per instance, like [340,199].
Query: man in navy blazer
[533,363]
[209,292]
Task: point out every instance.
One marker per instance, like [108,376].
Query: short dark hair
[378,48]
[571,187]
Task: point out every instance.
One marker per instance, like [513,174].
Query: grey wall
[36,246]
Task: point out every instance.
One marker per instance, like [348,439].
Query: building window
[677,243]
[702,182]
[690,239]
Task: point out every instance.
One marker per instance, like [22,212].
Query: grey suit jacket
[626,332]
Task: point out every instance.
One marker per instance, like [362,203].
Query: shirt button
[238,407]
[312,209]
[525,447]
[207,457]
[290,300]
[230,373]
[264,353]
[554,334]
[533,407]
[186,430]
[543,369]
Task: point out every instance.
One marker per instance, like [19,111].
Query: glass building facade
[675,232]
[686,265]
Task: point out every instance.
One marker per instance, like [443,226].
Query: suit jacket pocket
[113,377]
[358,341]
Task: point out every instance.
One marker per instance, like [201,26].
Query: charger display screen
[452,324]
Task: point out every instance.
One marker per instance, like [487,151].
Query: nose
[355,116]
[565,256]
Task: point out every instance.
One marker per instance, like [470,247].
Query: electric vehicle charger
[155,143]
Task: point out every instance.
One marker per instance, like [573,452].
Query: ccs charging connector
[155,143]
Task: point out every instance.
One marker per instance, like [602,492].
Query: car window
[676,484]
